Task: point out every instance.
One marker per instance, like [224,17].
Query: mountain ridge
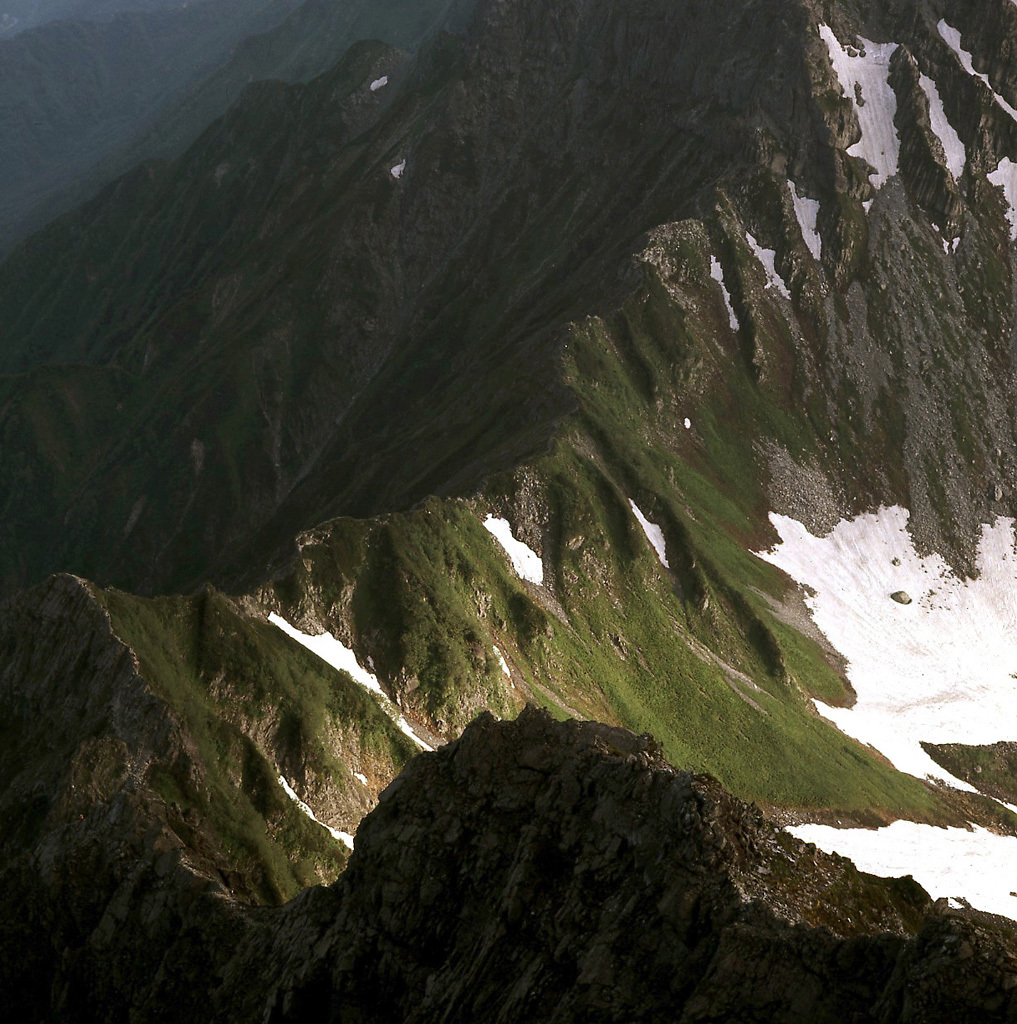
[574,281]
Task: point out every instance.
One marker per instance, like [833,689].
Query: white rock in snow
[1005,176]
[807,212]
[654,534]
[342,837]
[717,273]
[938,670]
[379,83]
[956,155]
[869,75]
[977,865]
[525,561]
[952,39]
[768,258]
[397,171]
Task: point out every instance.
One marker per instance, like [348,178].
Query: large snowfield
[865,79]
[942,669]
[977,866]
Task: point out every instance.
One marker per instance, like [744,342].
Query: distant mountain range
[84,101]
[18,16]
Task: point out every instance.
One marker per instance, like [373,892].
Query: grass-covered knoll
[256,705]
[424,597]
[991,768]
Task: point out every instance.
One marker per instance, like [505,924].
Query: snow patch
[942,669]
[503,663]
[1005,176]
[379,83]
[525,561]
[397,171]
[956,155]
[952,38]
[332,652]
[977,865]
[717,273]
[342,837]
[807,212]
[688,423]
[340,657]
[768,259]
[654,534]
[362,779]
[407,730]
[867,79]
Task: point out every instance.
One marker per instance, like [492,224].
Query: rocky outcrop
[85,844]
[538,870]
[992,769]
[922,158]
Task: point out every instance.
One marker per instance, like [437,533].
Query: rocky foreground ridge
[530,871]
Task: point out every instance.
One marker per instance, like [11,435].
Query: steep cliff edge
[533,870]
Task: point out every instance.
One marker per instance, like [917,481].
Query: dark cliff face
[533,870]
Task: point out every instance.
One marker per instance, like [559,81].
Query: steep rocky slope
[620,280]
[591,251]
[114,767]
[530,871]
[536,140]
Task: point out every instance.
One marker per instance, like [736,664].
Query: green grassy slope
[255,705]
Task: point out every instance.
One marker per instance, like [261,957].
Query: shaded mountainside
[75,91]
[277,313]
[529,871]
[96,121]
[20,15]
[122,728]
[597,269]
[304,45]
[563,305]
